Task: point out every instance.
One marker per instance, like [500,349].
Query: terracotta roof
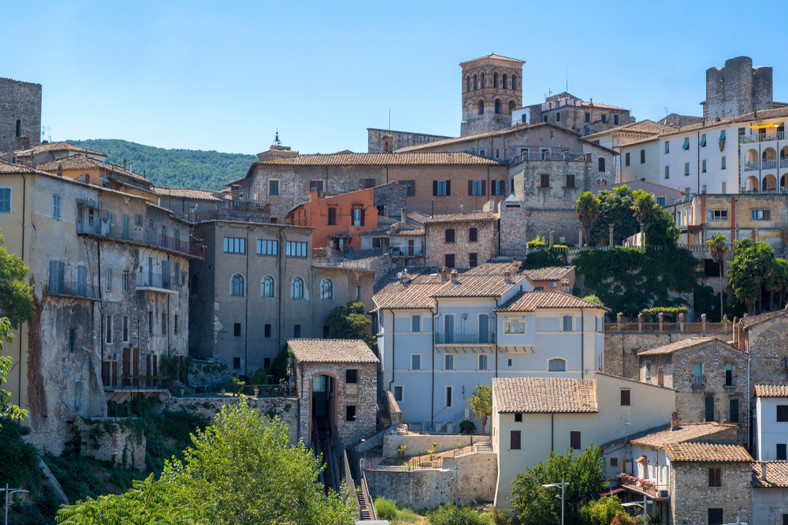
[414,232]
[416,293]
[529,301]
[680,345]
[495,268]
[707,452]
[544,394]
[688,432]
[775,390]
[187,193]
[477,286]
[462,217]
[331,351]
[764,114]
[776,474]
[551,273]
[81,162]
[381,159]
[641,127]
[749,321]
[10,168]
[55,146]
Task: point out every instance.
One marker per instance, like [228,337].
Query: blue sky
[225,75]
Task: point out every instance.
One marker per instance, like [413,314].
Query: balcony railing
[417,251]
[769,164]
[761,137]
[697,381]
[149,237]
[752,166]
[155,280]
[465,338]
[72,289]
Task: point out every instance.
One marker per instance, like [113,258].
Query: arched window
[18,128]
[648,369]
[326,289]
[237,285]
[556,365]
[194,285]
[497,106]
[481,83]
[511,106]
[467,83]
[495,80]
[505,82]
[297,288]
[514,81]
[481,107]
[475,83]
[267,286]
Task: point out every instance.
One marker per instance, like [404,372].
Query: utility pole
[7,491]
[562,485]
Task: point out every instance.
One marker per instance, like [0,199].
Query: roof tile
[776,474]
[331,351]
[688,432]
[544,394]
[681,345]
[381,159]
[529,301]
[707,452]
[462,217]
[774,390]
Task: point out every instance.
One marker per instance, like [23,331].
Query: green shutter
[686,143]
[722,135]
[703,140]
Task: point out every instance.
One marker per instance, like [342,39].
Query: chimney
[674,421]
[455,276]
[763,470]
[404,277]
[444,273]
[60,170]
[24,142]
[124,164]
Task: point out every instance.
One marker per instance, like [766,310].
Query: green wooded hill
[175,168]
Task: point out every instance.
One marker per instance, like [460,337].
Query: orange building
[339,220]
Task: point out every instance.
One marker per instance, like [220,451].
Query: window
[703,141]
[728,374]
[648,369]
[625,397]
[483,362]
[350,413]
[518,417]
[514,81]
[397,393]
[415,324]
[267,247]
[332,216]
[415,361]
[473,234]
[697,374]
[163,323]
[297,288]
[475,187]
[556,365]
[175,325]
[558,116]
[718,215]
[125,329]
[449,391]
[326,289]
[588,117]
[351,375]
[358,217]
[124,281]
[473,259]
[273,187]
[441,188]
[686,144]
[497,105]
[295,249]
[234,245]
[56,206]
[448,362]
[267,286]
[236,363]
[267,331]
[570,181]
[781,452]
[782,413]
[448,259]
[667,172]
[626,159]
[108,280]
[514,440]
[686,168]
[703,166]
[761,215]
[497,187]
[723,188]
[567,323]
[667,147]
[296,331]
[709,408]
[480,107]
[358,293]
[642,156]
[604,119]
[150,322]
[574,439]
[449,235]
[514,326]
[72,340]
[237,285]
[505,82]
[5,200]
[601,162]
[615,120]
[733,410]
[723,163]
[410,186]
[544,180]
[316,185]
[661,202]
[109,330]
[715,477]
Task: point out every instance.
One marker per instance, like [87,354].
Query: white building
[771,419]
[533,416]
[440,335]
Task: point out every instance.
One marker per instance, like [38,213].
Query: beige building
[572,113]
[461,240]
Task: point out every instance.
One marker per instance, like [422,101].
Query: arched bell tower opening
[491,90]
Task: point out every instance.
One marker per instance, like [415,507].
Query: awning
[641,459]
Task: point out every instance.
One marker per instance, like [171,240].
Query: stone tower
[492,87]
[737,88]
[20,115]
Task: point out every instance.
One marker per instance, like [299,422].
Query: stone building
[460,240]
[570,112]
[737,88]
[336,381]
[387,141]
[709,483]
[48,152]
[710,378]
[110,296]
[765,337]
[258,287]
[492,87]
[20,114]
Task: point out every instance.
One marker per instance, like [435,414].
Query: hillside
[208,170]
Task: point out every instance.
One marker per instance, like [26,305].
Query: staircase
[482,446]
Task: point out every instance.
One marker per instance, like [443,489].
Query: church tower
[492,87]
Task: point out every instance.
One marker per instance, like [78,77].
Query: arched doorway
[323,403]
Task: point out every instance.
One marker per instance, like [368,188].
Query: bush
[602,511]
[467,426]
[385,508]
[260,377]
[453,515]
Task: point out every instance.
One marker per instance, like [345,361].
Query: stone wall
[437,248]
[691,496]
[513,225]
[421,489]
[417,444]
[106,440]
[386,141]
[737,88]
[19,101]
[768,343]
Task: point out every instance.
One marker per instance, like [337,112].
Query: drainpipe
[279,258]
[552,430]
[246,307]
[24,211]
[495,316]
[749,404]
[432,387]
[582,343]
[393,346]
[697,167]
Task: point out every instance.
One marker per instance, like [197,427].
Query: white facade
[772,427]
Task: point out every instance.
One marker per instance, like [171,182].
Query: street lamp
[562,485]
[9,491]
[643,505]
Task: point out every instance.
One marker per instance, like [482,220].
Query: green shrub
[385,508]
[453,515]
[467,426]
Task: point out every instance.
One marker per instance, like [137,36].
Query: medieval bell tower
[492,87]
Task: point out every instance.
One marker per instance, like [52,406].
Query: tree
[602,511]
[587,207]
[240,470]
[776,280]
[16,297]
[481,402]
[718,247]
[643,206]
[7,409]
[748,271]
[537,505]
[593,299]
[615,209]
[660,230]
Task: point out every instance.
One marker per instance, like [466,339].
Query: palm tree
[587,208]
[718,247]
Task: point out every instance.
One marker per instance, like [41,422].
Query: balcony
[245,211]
[79,290]
[417,251]
[155,282]
[761,137]
[697,382]
[465,341]
[657,491]
[752,166]
[150,237]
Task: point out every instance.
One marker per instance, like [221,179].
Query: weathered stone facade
[387,141]
[20,114]
[492,87]
[451,243]
[568,111]
[513,224]
[737,88]
[691,497]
